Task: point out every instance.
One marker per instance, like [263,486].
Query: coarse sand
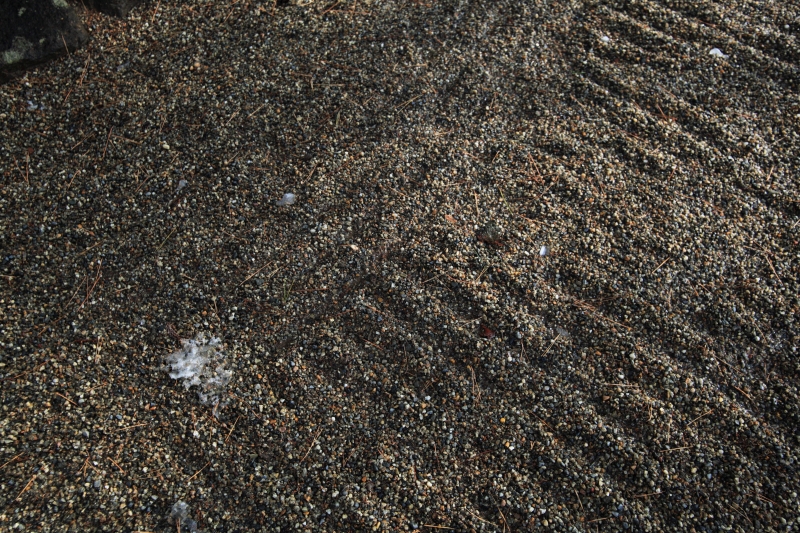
[540,270]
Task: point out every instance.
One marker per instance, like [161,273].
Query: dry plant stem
[86,466]
[699,417]
[125,139]
[108,137]
[75,175]
[551,345]
[11,460]
[97,347]
[310,174]
[543,421]
[89,249]
[580,503]
[766,255]
[743,392]
[230,118]
[131,427]
[232,428]
[245,280]
[232,236]
[96,279]
[25,489]
[312,445]
[196,473]
[83,140]
[80,82]
[24,176]
[773,269]
[167,238]
[675,449]
[482,519]
[116,464]
[152,20]
[67,399]
[641,496]
[351,455]
[476,390]
[661,112]
[660,265]
[259,108]
[331,7]
[505,522]
[69,56]
[233,157]
[409,101]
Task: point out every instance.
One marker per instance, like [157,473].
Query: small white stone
[716,52]
[605,38]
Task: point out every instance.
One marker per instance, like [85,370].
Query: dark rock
[118,8]
[32,31]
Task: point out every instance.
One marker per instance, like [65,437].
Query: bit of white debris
[201,363]
[181,185]
[543,251]
[288,199]
[165,146]
[716,52]
[605,39]
[179,511]
[179,514]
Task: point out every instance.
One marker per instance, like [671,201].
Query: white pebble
[716,52]
[605,38]
[543,251]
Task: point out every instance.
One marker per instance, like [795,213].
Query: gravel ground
[541,271]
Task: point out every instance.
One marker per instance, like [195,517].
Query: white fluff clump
[179,515]
[201,363]
[288,199]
